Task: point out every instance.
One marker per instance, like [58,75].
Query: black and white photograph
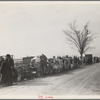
[49,49]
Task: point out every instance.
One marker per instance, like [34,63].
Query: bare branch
[79,39]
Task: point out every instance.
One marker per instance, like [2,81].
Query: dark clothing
[43,64]
[6,71]
[15,75]
[1,63]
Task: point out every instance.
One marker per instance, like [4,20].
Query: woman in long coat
[6,71]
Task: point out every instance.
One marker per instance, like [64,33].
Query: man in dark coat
[43,63]
[6,70]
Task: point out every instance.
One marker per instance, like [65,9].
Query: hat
[8,55]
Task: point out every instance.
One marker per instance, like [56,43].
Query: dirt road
[81,81]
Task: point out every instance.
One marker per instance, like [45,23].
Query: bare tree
[80,39]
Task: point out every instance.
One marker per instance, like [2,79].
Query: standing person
[6,70]
[66,64]
[1,61]
[43,63]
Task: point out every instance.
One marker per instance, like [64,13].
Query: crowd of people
[58,64]
[42,65]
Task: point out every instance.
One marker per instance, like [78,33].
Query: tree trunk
[81,56]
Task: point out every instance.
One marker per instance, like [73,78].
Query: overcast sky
[33,28]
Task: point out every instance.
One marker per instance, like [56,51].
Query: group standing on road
[58,64]
[41,64]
